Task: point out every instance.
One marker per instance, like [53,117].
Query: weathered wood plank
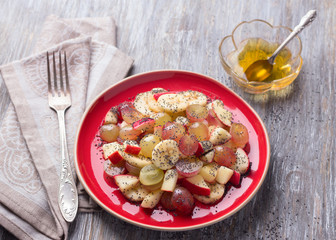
[298,198]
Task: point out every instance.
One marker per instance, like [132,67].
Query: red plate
[89,162]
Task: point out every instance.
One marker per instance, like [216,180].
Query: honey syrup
[253,49]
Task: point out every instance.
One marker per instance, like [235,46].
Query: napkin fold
[29,137]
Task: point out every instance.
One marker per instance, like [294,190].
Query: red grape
[132,169]
[173,130]
[128,133]
[196,112]
[112,170]
[166,200]
[189,167]
[183,201]
[128,113]
[199,130]
[231,145]
[188,145]
[239,134]
[224,156]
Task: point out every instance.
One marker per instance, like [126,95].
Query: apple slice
[136,194]
[125,182]
[196,185]
[158,131]
[169,180]
[203,147]
[217,192]
[242,163]
[111,116]
[211,128]
[111,151]
[131,147]
[179,178]
[209,172]
[152,199]
[247,148]
[222,114]
[189,167]
[223,174]
[110,148]
[144,124]
[213,120]
[208,157]
[115,157]
[219,136]
[235,178]
[112,170]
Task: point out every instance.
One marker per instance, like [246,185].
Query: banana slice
[135,160]
[141,104]
[172,103]
[152,103]
[194,97]
[165,154]
[178,102]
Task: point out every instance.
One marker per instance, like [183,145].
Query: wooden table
[298,199]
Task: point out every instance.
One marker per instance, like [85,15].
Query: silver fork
[60,100]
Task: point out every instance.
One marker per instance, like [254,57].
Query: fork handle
[67,197]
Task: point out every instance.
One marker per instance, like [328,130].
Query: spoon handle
[305,21]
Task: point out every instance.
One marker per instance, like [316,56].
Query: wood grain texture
[298,199]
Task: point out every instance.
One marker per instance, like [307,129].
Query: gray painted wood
[297,200]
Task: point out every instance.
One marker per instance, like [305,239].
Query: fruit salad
[173,149]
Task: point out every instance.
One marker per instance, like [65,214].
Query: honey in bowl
[254,49]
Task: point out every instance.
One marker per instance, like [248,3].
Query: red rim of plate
[156,77]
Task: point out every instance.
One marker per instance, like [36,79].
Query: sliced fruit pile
[173,148]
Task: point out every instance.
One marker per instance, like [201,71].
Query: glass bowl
[258,29]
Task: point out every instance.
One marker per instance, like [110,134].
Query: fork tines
[60,87]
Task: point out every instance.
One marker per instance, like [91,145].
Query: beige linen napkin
[29,138]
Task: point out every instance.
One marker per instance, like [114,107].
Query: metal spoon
[262,69]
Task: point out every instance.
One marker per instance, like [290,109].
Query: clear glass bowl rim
[244,81]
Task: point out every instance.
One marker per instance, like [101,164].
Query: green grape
[161,118]
[150,175]
[148,143]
